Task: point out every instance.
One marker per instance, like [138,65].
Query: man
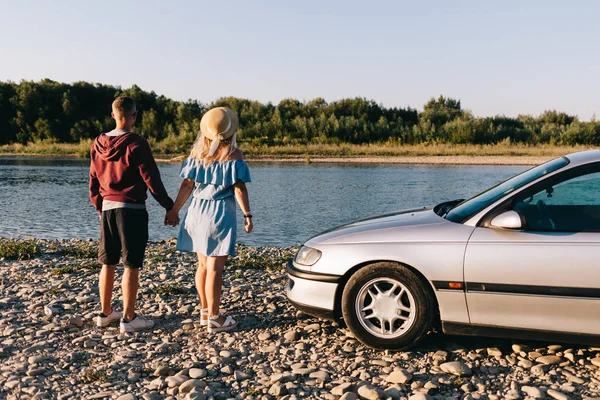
[121,169]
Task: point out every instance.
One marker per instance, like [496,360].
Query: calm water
[48,198]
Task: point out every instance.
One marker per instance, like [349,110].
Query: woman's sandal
[215,326]
[204,317]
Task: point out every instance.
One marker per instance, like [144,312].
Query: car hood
[380,228]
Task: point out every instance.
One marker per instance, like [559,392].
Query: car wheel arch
[346,277]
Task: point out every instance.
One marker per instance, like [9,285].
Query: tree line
[66,113]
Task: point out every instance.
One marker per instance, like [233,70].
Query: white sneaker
[138,323]
[105,320]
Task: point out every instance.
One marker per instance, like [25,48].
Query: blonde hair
[123,105]
[202,145]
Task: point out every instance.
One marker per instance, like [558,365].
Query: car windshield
[472,206]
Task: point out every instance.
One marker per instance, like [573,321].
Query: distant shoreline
[436,154]
[371,159]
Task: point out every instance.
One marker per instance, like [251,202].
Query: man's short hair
[123,105]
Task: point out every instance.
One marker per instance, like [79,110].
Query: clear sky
[498,57]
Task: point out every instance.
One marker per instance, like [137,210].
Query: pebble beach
[50,347]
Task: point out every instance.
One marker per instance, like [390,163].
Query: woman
[215,172]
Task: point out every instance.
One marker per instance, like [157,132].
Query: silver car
[521,260]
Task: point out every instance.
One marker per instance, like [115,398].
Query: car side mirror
[507,220]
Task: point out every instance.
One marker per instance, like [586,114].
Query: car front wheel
[385,305]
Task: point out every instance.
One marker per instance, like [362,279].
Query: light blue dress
[209,225]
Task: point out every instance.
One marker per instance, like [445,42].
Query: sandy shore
[433,160]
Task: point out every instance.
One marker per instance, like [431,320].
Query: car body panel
[320,295]
[521,264]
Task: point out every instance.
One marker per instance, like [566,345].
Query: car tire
[385,305]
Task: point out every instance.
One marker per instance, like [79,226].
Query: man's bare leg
[106,286]
[131,277]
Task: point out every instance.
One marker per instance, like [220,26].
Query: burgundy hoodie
[121,169]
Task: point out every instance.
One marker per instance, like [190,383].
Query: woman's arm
[241,195]
[172,217]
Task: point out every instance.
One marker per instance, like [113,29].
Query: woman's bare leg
[214,281]
[201,280]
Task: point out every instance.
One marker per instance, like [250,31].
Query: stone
[323,376]
[175,381]
[525,364]
[399,376]
[264,336]
[163,370]
[190,385]
[277,389]
[392,392]
[49,310]
[420,396]
[555,394]
[75,321]
[36,359]
[596,361]
[197,373]
[312,327]
[368,392]
[549,360]
[291,335]
[128,396]
[494,352]
[341,388]
[517,348]
[240,375]
[533,392]
[457,368]
[195,396]
[36,371]
[349,396]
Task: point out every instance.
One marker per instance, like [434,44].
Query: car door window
[570,205]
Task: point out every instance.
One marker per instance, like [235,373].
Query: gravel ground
[50,348]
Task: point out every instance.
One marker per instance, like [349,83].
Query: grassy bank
[314,151]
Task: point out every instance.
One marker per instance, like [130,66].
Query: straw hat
[219,122]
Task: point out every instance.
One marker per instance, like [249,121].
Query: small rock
[128,396]
[291,335]
[457,368]
[494,351]
[341,389]
[163,370]
[533,392]
[320,375]
[240,376]
[49,310]
[197,373]
[278,389]
[75,321]
[549,360]
[189,385]
[420,396]
[557,395]
[368,392]
[312,327]
[36,371]
[399,376]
